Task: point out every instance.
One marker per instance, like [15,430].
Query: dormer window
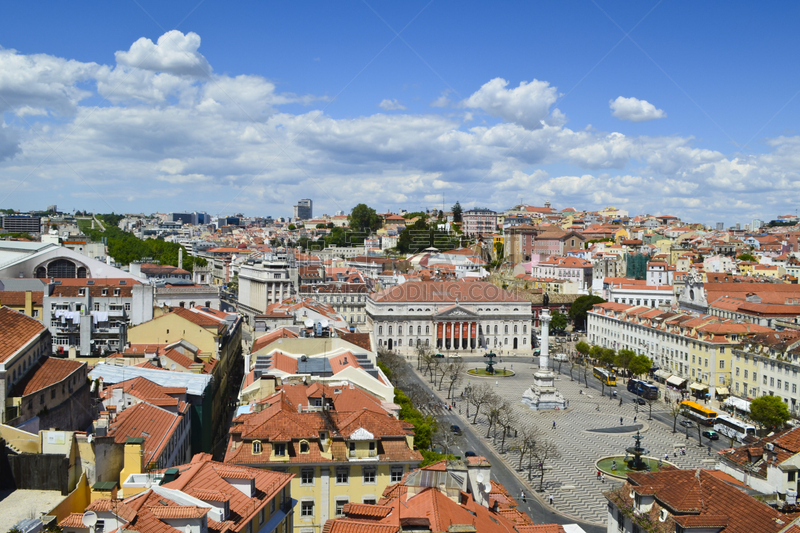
[304,447]
[104,292]
[257,447]
[116,292]
[279,449]
[82,292]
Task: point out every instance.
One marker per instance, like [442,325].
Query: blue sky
[655,107]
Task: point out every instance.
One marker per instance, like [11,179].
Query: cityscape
[381,267]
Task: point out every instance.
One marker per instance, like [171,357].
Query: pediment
[456,311]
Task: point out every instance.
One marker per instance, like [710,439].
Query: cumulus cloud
[222,143]
[391,105]
[527,105]
[443,100]
[635,110]
[174,53]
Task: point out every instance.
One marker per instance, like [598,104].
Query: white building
[262,283]
[449,315]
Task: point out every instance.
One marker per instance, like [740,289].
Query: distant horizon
[657,107]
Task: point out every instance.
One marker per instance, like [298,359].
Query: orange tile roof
[48,371]
[17,298]
[16,330]
[150,422]
[272,336]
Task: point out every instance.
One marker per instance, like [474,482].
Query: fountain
[490,363]
[637,451]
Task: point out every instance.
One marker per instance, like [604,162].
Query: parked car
[439,355]
[687,423]
[470,454]
[710,434]
[455,429]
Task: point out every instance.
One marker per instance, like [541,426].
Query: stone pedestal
[543,394]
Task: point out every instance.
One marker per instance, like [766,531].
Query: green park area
[498,372]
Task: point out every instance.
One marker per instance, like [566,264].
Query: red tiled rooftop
[16,330]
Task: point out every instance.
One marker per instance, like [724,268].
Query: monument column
[544,353]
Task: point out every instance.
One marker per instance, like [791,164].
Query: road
[470,441]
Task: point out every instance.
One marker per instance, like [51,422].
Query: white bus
[733,427]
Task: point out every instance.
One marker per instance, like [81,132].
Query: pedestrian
[551,499]
[634,419]
[554,424]
[620,421]
[580,391]
[666,456]
[522,497]
[603,477]
[620,401]
[598,475]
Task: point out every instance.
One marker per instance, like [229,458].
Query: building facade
[303,210]
[478,221]
[445,315]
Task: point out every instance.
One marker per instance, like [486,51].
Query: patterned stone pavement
[583,435]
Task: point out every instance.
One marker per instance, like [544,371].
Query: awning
[698,386]
[676,381]
[723,391]
[738,403]
[662,374]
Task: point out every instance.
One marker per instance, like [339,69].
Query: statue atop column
[543,394]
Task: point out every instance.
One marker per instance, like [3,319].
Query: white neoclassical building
[449,316]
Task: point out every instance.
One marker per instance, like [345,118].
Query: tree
[364,219]
[478,396]
[624,358]
[525,440]
[507,419]
[292,227]
[558,321]
[580,307]
[544,451]
[650,403]
[583,348]
[641,364]
[769,411]
[495,404]
[455,373]
[393,365]
[747,257]
[586,368]
[457,212]
[574,361]
[675,411]
[608,356]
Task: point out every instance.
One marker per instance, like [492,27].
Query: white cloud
[635,110]
[443,100]
[391,105]
[221,143]
[527,105]
[174,53]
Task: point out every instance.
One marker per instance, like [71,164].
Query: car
[470,454]
[439,355]
[687,423]
[455,429]
[710,434]
[641,401]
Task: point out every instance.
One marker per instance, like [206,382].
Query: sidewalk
[583,436]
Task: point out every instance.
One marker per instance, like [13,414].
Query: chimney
[180,257]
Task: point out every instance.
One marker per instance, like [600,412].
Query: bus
[733,427]
[606,376]
[646,390]
[702,415]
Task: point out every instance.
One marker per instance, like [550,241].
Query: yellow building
[26,302]
[216,334]
[338,441]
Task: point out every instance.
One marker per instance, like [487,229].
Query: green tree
[321,225]
[457,212]
[624,358]
[596,352]
[329,225]
[583,348]
[364,219]
[747,257]
[640,364]
[769,411]
[558,322]
[608,356]
[581,306]
[292,227]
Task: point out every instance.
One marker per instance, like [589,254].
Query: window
[396,475]
[369,500]
[307,508]
[307,476]
[304,447]
[340,503]
[506,328]
[721,364]
[261,516]
[52,394]
[342,475]
[380,330]
[369,475]
[96,306]
[127,306]
[257,447]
